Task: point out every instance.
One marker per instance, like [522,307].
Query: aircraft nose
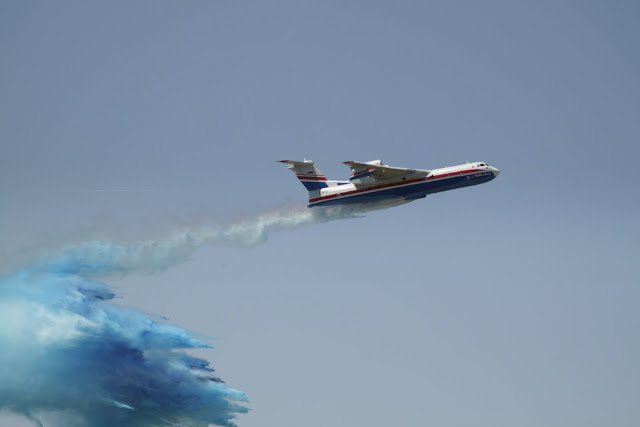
[496,172]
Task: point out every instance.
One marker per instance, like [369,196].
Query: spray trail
[66,349]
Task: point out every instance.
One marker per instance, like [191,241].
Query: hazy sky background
[513,303]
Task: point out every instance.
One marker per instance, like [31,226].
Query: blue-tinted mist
[66,347]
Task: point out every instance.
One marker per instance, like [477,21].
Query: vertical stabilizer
[308,174]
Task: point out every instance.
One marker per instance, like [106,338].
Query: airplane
[374,183]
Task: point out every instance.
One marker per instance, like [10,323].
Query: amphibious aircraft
[376,183]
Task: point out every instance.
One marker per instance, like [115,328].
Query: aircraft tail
[308,174]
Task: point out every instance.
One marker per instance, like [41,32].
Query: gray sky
[508,304]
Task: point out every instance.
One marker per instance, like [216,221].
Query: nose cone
[495,171]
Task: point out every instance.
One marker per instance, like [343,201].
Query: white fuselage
[437,180]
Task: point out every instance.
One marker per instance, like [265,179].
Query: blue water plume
[67,349]
[66,346]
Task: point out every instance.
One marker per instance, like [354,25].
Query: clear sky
[513,303]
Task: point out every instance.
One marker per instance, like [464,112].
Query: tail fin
[308,174]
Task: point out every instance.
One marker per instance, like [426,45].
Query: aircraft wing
[366,174]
